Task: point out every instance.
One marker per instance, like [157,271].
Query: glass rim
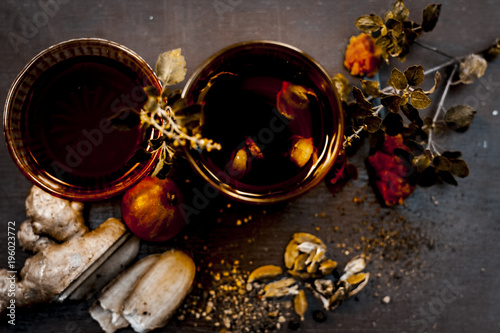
[319,170]
[14,141]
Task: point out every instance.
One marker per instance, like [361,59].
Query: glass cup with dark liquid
[57,119]
[277,116]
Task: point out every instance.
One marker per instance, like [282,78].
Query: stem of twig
[433,49]
[440,105]
[443,65]
[376,111]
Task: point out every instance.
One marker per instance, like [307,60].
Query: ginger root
[60,219]
[63,247]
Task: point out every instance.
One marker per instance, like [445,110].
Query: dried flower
[362,56]
[391,172]
[341,172]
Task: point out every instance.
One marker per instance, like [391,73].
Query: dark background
[446,276]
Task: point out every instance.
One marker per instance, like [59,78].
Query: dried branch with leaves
[395,110]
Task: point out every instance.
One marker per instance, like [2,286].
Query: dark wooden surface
[446,281]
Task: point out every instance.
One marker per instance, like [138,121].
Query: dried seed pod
[301,150]
[356,279]
[319,255]
[312,268]
[301,237]
[357,282]
[281,292]
[327,266]
[325,301]
[264,272]
[355,265]
[291,253]
[283,283]
[338,297]
[300,303]
[300,262]
[283,287]
[308,247]
[301,275]
[324,287]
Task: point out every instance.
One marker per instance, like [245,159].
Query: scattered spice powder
[225,303]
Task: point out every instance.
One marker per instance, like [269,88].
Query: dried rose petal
[391,172]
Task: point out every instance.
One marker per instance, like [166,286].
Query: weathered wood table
[439,265]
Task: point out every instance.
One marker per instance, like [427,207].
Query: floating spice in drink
[257,98]
[264,125]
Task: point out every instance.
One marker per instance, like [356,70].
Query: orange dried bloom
[362,56]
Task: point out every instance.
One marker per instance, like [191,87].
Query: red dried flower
[362,56]
[391,172]
[341,172]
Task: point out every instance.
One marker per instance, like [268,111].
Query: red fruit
[151,209]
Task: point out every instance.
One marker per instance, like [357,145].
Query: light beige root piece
[107,309]
[47,273]
[160,291]
[59,218]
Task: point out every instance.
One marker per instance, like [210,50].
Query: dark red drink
[67,120]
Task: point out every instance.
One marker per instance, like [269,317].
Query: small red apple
[151,209]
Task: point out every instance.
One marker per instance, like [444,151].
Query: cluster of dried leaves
[397,33]
[173,121]
[397,108]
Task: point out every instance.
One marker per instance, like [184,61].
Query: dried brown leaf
[342,85]
[472,68]
[430,16]
[400,12]
[171,67]
[360,99]
[459,117]
[372,123]
[371,88]
[398,80]
[419,99]
[437,79]
[369,23]
[459,168]
[415,75]
[391,102]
